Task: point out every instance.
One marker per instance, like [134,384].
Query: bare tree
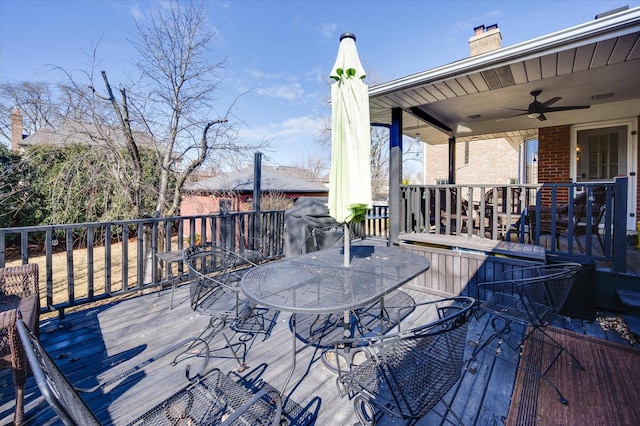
[311,168]
[379,162]
[172,102]
[36,101]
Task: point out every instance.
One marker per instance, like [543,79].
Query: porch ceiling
[467,99]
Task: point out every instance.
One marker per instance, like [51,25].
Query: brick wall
[492,161]
[554,158]
[485,40]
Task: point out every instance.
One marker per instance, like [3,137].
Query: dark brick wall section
[553,158]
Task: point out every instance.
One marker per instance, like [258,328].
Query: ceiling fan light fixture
[533,115]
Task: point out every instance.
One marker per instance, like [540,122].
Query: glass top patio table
[319,283]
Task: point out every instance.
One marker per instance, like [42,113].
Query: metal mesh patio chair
[214,274]
[210,399]
[406,374]
[19,292]
[531,297]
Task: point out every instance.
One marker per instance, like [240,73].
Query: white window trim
[632,158]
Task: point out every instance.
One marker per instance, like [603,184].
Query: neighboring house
[494,95]
[74,132]
[234,191]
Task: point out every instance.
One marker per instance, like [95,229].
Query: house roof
[472,98]
[273,179]
[82,133]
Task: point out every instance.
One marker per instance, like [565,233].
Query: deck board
[114,337]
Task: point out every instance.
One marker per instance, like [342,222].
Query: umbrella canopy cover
[350,178]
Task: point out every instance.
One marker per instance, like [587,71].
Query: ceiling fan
[537,109]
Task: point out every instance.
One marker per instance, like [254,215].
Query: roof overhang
[596,63]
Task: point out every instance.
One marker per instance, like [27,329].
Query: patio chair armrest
[486,289]
[522,272]
[216,283]
[442,311]
[540,270]
[274,398]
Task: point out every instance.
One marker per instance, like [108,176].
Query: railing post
[620,224]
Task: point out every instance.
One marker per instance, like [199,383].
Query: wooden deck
[103,341]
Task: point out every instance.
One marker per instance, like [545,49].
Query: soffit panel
[566,61]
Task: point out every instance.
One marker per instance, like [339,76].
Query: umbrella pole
[347,245]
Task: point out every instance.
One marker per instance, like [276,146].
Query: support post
[257,192]
[452,161]
[395,174]
[620,224]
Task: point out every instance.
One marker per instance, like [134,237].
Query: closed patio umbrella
[350,178]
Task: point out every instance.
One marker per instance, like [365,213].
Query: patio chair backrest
[442,194]
[20,281]
[214,274]
[53,384]
[502,207]
[598,206]
[541,291]
[407,373]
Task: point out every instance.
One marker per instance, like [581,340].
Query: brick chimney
[16,130]
[486,39]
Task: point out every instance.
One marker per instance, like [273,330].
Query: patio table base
[346,354]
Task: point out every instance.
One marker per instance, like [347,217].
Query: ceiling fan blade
[512,109]
[512,116]
[567,108]
[541,117]
[551,101]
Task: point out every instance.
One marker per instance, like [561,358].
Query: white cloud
[135,11]
[289,140]
[293,130]
[261,75]
[328,31]
[289,92]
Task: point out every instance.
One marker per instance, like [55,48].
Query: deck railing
[504,212]
[84,263]
[87,262]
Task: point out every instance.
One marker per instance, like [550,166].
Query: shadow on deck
[112,338]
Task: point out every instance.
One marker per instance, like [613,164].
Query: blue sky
[281,52]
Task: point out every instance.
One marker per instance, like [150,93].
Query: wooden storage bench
[458,263]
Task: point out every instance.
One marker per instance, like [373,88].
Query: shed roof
[273,179]
[74,132]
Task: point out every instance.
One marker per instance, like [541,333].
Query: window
[530,158]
